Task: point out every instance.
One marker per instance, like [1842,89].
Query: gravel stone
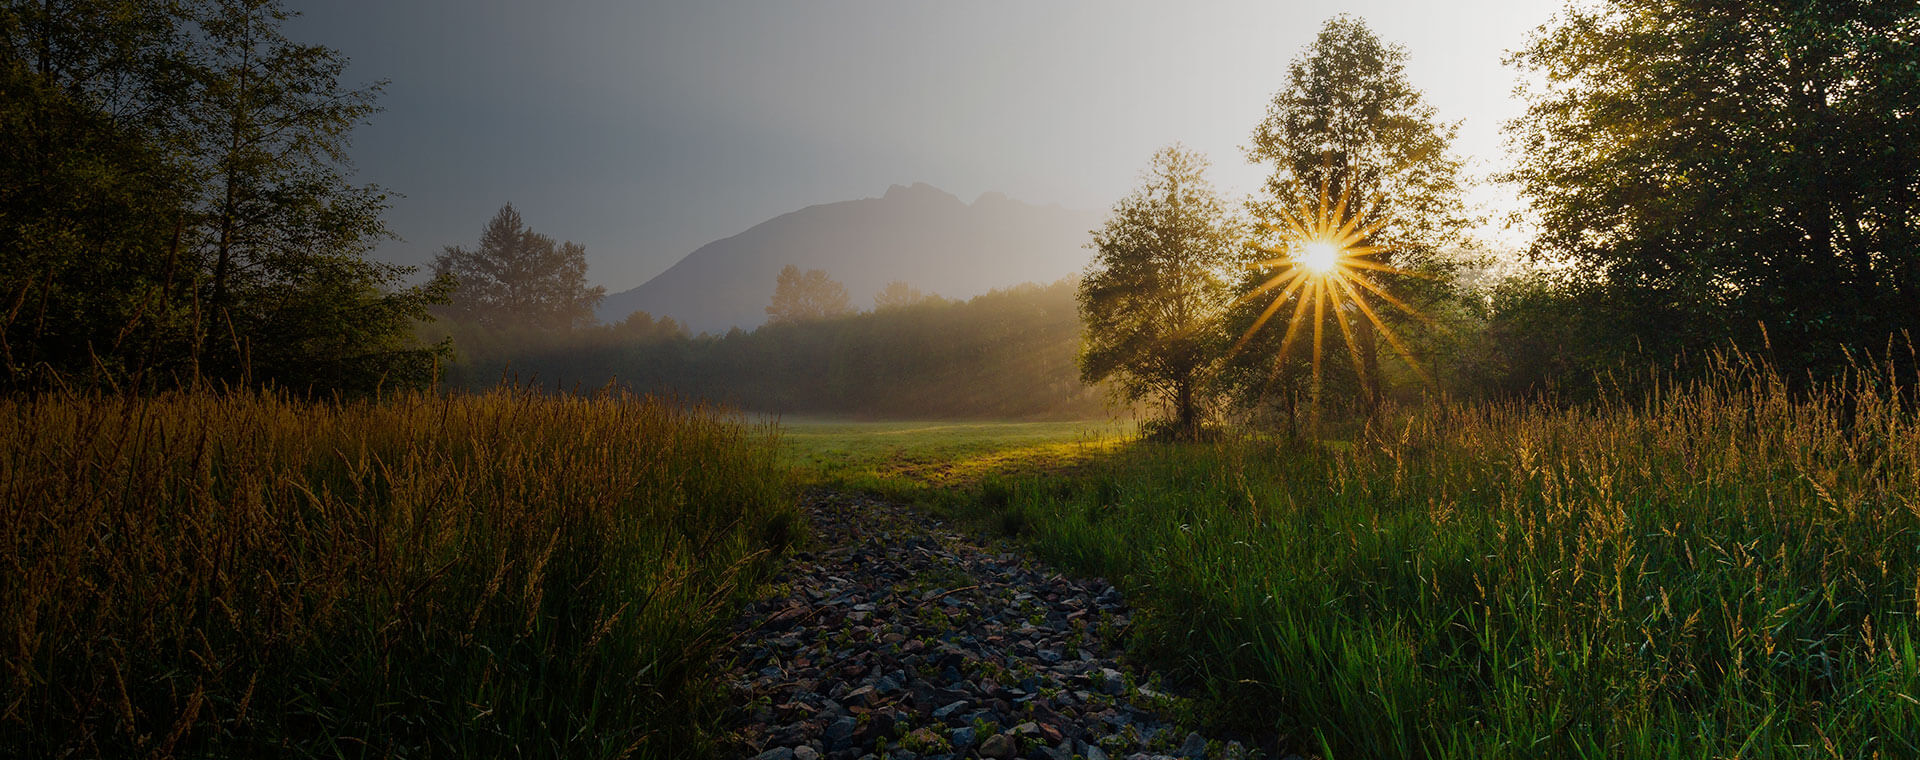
[895,635]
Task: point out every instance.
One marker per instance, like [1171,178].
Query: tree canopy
[1730,170]
[1154,293]
[807,296]
[182,207]
[898,294]
[1349,139]
[518,278]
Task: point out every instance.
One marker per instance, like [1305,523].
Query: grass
[910,459]
[1728,569]
[505,574]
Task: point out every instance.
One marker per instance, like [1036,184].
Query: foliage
[1731,170]
[898,294]
[1005,354]
[1153,295]
[1726,569]
[249,574]
[806,297]
[242,252]
[92,283]
[518,277]
[1351,133]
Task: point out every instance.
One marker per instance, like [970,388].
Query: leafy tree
[1349,126]
[807,296]
[517,277]
[1731,170]
[898,294]
[258,246]
[1155,291]
[92,281]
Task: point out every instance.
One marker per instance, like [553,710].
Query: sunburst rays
[1325,262]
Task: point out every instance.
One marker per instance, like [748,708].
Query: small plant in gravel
[984,728]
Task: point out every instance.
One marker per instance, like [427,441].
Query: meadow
[500,574]
[924,459]
[1727,568]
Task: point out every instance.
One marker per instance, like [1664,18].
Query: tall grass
[1725,569]
[506,574]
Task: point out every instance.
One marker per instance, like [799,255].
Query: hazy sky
[643,130]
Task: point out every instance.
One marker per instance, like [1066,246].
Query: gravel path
[899,637]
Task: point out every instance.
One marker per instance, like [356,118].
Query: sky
[643,130]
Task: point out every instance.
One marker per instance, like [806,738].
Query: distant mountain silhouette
[919,234]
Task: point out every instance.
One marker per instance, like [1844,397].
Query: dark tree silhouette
[241,251]
[516,277]
[1730,170]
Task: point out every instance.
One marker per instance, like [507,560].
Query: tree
[898,294]
[1349,134]
[90,267]
[1153,296]
[1731,170]
[807,296]
[258,246]
[519,278]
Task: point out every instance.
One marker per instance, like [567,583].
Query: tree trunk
[1186,422]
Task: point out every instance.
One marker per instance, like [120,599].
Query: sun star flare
[1324,251]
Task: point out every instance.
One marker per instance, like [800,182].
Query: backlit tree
[1154,294]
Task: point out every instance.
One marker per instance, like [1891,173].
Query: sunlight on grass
[1727,569]
[903,457]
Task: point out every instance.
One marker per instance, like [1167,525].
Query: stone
[840,730]
[804,752]
[1194,748]
[961,738]
[949,710]
[777,753]
[999,746]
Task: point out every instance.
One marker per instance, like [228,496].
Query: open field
[901,458]
[1726,570]
[246,575]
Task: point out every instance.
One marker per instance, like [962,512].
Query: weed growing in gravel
[246,574]
[1725,569]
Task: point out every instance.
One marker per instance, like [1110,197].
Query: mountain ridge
[916,233]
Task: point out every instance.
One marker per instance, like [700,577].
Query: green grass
[500,575]
[1728,570]
[909,459]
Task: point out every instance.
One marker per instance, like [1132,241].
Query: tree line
[176,206]
[1005,354]
[1704,177]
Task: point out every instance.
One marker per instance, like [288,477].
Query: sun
[1326,262]
[1321,257]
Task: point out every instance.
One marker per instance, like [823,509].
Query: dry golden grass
[499,574]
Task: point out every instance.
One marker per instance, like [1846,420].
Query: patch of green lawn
[906,458]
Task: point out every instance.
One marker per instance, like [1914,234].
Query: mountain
[919,234]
